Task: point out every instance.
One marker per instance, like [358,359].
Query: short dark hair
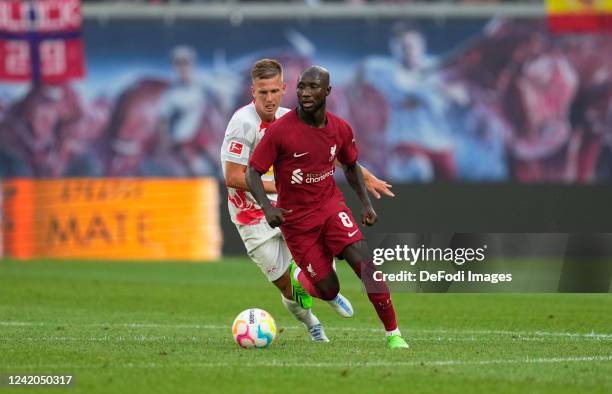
[265,69]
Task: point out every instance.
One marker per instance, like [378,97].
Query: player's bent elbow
[231,181]
[228,181]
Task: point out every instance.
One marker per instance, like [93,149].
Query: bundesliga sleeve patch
[235,148]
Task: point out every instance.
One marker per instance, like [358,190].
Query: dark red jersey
[303,158]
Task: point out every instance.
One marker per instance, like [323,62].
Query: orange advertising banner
[123,218]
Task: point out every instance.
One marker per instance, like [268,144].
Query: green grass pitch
[162,328]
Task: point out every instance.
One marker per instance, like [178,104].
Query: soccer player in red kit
[311,212]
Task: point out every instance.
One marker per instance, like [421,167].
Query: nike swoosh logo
[300,154]
[353,233]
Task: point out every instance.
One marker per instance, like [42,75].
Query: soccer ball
[254,328]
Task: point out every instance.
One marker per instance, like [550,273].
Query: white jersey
[244,131]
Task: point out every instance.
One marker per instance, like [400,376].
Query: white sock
[393,332]
[304,315]
[296,272]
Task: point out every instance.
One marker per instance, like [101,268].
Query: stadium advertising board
[130,219]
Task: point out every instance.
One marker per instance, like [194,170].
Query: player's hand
[368,216]
[274,215]
[376,187]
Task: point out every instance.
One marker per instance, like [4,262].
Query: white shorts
[272,257]
[267,248]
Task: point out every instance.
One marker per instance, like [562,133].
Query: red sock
[307,284]
[378,294]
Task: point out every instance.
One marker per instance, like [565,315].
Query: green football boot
[396,342]
[300,295]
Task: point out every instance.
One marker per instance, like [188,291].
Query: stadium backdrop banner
[41,41]
[116,219]
[468,100]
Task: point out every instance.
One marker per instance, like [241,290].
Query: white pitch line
[408,331]
[125,325]
[275,363]
[534,333]
[163,338]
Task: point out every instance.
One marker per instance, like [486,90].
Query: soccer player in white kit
[265,245]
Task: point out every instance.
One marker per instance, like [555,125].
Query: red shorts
[316,238]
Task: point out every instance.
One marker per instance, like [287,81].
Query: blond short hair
[266,69]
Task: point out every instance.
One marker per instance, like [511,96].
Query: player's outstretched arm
[354,176]
[274,215]
[235,177]
[375,186]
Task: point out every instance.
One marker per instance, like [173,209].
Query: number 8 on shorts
[346,220]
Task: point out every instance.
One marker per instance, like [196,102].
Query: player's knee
[356,252]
